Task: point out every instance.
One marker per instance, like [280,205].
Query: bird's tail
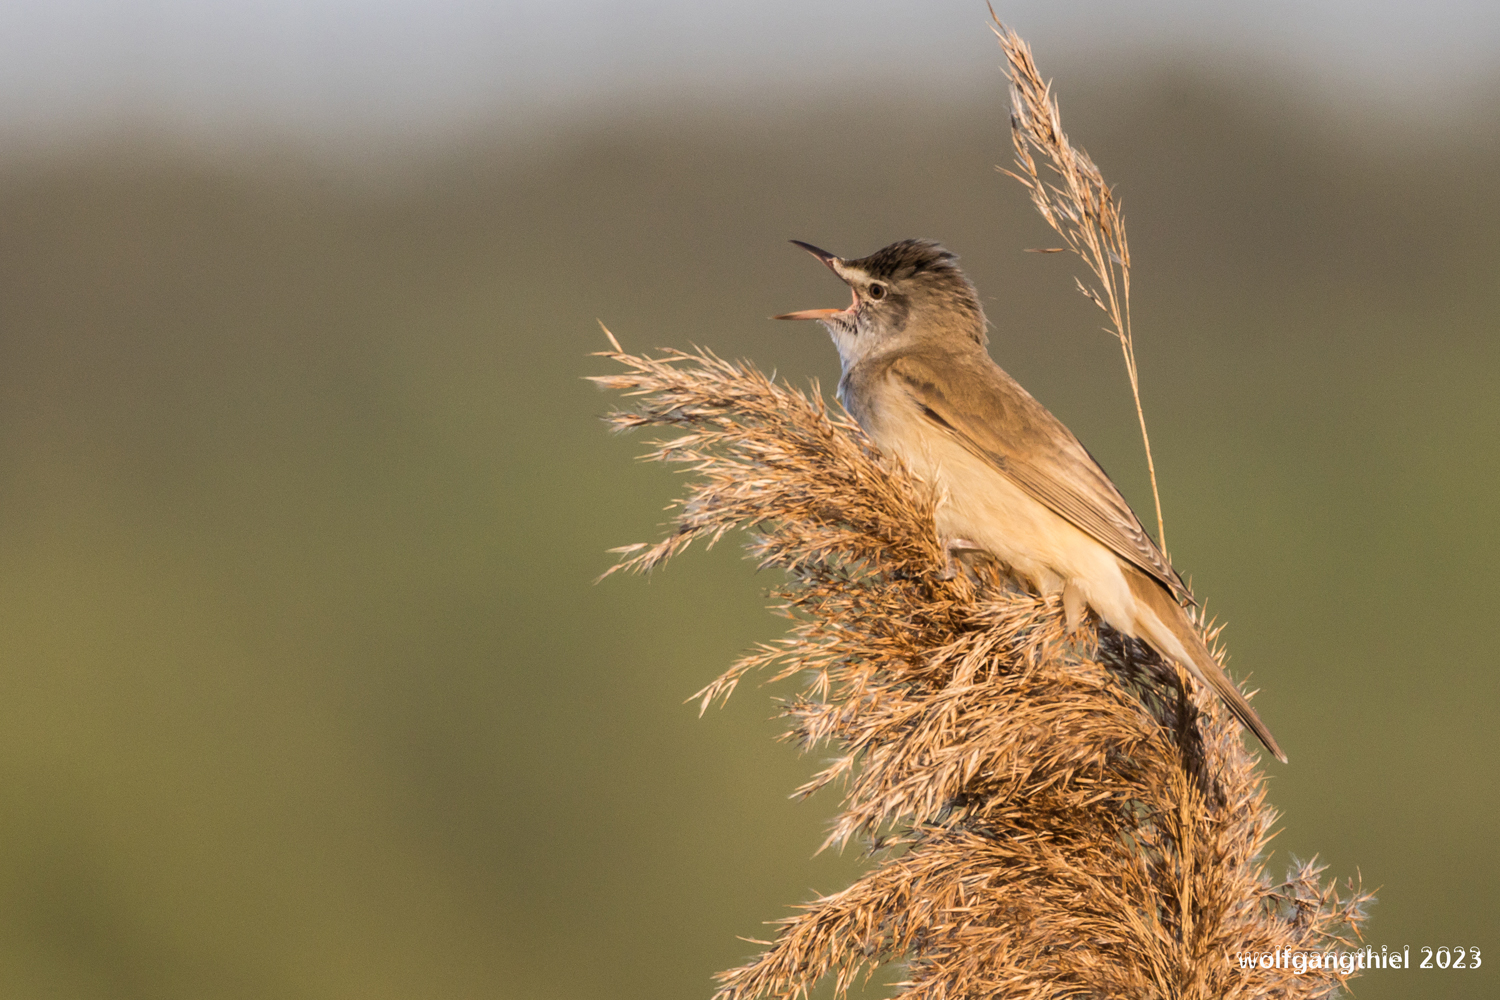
[1166,626]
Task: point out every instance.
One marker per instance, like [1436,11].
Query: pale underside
[980,504]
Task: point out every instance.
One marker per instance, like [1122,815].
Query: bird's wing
[993,417]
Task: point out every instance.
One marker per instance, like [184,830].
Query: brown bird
[1011,479]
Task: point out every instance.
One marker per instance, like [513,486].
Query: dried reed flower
[1078,205]
[1048,814]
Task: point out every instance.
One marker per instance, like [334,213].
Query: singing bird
[1011,479]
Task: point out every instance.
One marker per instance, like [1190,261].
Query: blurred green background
[308,692]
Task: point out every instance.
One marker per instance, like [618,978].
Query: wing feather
[994,418]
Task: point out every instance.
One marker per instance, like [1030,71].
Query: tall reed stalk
[1079,206]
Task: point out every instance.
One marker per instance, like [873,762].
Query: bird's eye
[876,291]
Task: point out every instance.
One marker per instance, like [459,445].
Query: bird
[1012,481]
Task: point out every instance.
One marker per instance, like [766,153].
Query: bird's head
[907,292]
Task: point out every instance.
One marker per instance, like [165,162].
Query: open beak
[811,314]
[828,260]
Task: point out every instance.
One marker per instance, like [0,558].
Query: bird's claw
[953,549]
[1074,606]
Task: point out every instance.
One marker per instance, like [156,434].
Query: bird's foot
[953,550]
[1074,606]
[1076,615]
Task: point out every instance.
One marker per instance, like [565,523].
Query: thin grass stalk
[1079,206]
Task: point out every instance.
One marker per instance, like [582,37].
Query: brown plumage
[1013,481]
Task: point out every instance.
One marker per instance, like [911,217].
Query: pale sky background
[71,67]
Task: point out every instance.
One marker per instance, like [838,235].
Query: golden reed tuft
[1048,814]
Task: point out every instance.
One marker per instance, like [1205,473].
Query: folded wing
[993,417]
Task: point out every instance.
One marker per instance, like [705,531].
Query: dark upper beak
[823,255]
[827,259]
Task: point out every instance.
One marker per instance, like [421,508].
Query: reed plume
[1079,206]
[1047,813]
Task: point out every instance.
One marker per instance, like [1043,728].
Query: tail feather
[1183,642]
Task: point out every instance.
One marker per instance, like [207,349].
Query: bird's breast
[978,502]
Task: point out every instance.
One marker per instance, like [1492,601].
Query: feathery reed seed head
[1048,814]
